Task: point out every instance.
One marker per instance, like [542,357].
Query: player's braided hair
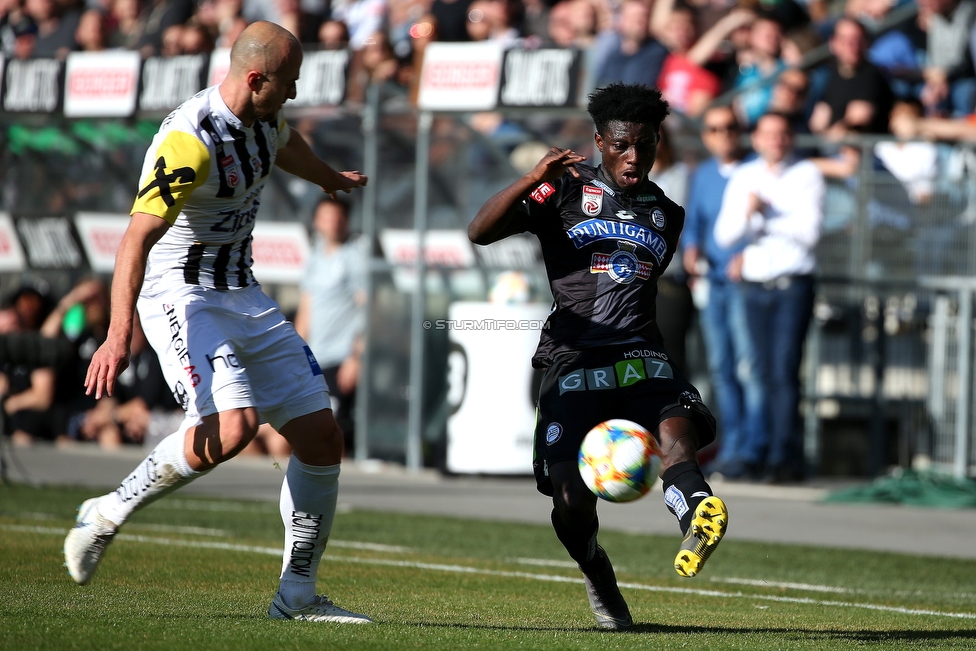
[635,103]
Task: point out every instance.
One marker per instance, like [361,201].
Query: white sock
[308,504]
[164,470]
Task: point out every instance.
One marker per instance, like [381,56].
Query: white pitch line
[372,547]
[204,505]
[808,587]
[347,544]
[544,562]
[192,531]
[464,569]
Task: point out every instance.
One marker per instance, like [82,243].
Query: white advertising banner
[460,76]
[490,389]
[279,250]
[11,254]
[101,84]
[442,248]
[219,66]
[101,235]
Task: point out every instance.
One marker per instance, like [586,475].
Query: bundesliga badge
[230,169]
[592,203]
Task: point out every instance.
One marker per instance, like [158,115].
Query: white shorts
[229,350]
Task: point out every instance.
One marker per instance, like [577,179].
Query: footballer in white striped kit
[230,356]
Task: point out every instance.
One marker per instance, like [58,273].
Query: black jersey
[604,251]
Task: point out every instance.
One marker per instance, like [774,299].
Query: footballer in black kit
[607,233]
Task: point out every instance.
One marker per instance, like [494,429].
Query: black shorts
[583,388]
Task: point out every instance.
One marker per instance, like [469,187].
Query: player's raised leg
[703,518]
[177,460]
[576,524]
[308,504]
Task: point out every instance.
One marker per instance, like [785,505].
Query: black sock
[684,488]
[580,542]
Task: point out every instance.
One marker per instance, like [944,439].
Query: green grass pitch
[190,573]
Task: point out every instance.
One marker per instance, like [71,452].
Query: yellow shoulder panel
[182,164]
[284,131]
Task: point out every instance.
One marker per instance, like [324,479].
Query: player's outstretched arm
[296,157]
[492,221]
[112,357]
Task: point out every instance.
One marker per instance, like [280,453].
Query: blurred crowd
[883,51]
[48,402]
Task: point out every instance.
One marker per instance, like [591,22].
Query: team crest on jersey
[658,220]
[256,165]
[592,202]
[623,265]
[541,193]
[231,170]
[553,433]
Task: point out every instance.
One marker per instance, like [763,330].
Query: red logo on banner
[101,82]
[275,251]
[460,74]
[106,241]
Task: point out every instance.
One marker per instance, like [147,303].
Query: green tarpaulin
[915,488]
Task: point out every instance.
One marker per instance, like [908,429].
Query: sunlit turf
[189,573]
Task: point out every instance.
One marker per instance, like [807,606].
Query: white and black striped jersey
[203,174]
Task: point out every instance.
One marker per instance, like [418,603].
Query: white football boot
[87,541]
[320,610]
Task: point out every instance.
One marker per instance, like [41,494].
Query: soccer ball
[619,460]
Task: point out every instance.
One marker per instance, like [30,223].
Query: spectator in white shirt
[774,205]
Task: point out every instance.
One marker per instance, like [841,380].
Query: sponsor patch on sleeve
[541,193]
[312,362]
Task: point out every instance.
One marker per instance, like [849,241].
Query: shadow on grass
[661,629]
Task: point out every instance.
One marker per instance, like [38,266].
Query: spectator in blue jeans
[774,206]
[731,355]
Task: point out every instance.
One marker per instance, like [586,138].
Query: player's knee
[573,502]
[222,436]
[678,441]
[315,438]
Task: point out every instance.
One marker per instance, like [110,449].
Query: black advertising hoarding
[50,243]
[32,85]
[323,78]
[167,82]
[540,78]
